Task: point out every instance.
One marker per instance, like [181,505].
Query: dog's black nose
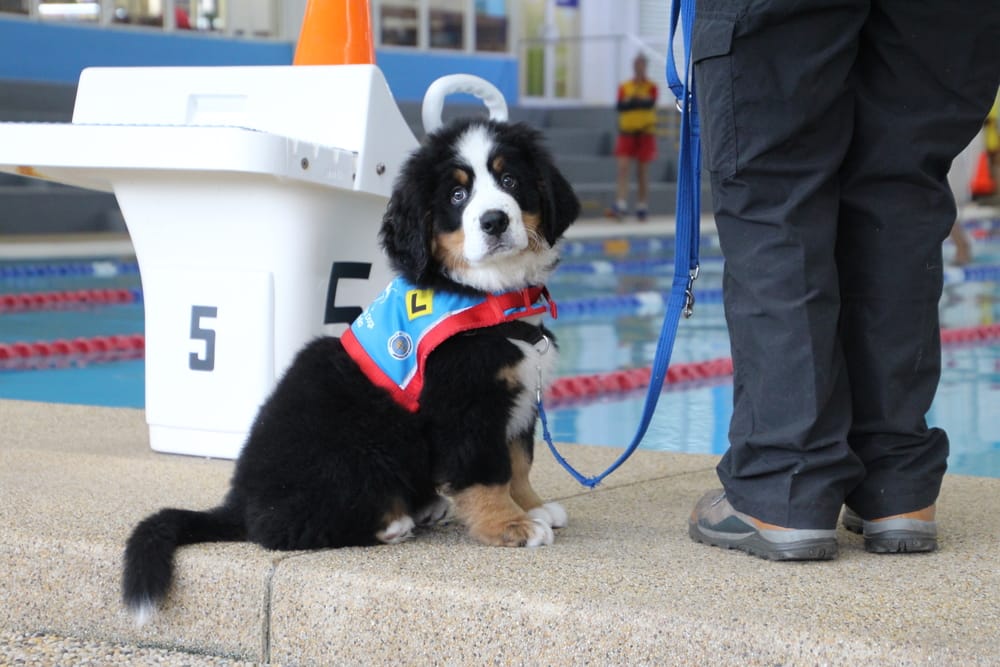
[493,222]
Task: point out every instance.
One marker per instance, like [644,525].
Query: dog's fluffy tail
[149,552]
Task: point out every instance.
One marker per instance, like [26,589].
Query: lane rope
[64,353]
[68,299]
[75,352]
[101,268]
[648,302]
[599,385]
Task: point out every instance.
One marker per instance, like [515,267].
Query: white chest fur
[534,372]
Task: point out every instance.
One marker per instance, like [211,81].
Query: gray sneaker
[715,522]
[897,535]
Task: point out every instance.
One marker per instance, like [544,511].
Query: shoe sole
[900,543]
[892,541]
[755,545]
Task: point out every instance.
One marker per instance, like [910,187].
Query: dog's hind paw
[552,514]
[399,530]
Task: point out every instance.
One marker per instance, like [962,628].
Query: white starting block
[253,197]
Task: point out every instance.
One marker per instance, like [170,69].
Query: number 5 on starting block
[210,352]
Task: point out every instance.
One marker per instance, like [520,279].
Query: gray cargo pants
[828,130]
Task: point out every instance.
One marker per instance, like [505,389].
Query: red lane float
[590,387]
[965,335]
[73,352]
[103,349]
[619,382]
[70,299]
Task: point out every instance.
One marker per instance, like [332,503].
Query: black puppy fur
[331,460]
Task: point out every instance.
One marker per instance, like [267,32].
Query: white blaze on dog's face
[491,217]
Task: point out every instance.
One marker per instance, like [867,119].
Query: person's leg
[642,200]
[774,95]
[963,247]
[618,208]
[645,153]
[925,78]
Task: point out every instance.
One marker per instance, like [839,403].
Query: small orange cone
[982,183]
[335,32]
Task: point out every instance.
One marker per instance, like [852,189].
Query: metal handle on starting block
[460,83]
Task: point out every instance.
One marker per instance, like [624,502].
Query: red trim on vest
[486,314]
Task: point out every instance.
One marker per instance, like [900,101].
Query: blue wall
[57,52]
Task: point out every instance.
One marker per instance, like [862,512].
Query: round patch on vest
[400,345]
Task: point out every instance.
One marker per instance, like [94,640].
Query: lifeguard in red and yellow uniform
[636,137]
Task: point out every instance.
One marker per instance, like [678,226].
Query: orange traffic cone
[335,32]
[982,183]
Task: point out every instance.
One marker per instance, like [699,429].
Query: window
[491,25]
[14,6]
[398,21]
[447,24]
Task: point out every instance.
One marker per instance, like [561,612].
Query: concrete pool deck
[622,585]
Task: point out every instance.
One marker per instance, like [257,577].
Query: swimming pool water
[695,419]
[592,338]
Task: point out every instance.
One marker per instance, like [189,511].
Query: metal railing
[586,69]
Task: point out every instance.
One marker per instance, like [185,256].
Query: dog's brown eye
[458,195]
[508,182]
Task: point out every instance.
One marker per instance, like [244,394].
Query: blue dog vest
[391,339]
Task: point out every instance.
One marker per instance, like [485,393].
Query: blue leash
[681,299]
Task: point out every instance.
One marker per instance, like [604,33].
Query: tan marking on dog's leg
[524,495]
[494,518]
[520,482]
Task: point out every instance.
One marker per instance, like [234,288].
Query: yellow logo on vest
[419,302]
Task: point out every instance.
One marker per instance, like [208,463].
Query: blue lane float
[643,303]
[952,275]
[86,269]
[971,274]
[636,304]
[627,266]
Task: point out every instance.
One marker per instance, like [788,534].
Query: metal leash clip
[689,291]
[679,103]
[538,367]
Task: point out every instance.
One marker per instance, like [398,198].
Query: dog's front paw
[541,535]
[397,531]
[552,514]
[521,532]
[494,518]
[437,511]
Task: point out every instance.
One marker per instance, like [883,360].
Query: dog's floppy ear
[406,230]
[560,204]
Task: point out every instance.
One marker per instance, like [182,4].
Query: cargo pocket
[710,55]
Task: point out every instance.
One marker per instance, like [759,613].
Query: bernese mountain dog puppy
[426,407]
